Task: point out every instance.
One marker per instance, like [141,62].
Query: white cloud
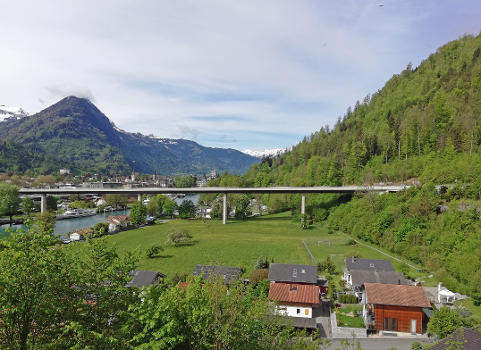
[288,67]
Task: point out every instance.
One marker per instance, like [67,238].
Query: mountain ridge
[75,130]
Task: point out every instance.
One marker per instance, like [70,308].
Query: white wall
[292,311]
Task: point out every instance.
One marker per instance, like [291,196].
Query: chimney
[352,260]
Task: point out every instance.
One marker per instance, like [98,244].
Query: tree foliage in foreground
[204,316]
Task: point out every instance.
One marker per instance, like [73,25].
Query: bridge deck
[160,190]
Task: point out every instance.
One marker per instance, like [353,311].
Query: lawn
[238,243]
[346,316]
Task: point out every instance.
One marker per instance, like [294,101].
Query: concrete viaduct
[43,193]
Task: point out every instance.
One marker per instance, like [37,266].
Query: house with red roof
[293,299]
[118,222]
[395,308]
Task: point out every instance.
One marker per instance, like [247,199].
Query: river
[62,227]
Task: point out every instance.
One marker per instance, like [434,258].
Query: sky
[251,74]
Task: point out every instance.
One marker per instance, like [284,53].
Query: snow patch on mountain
[264,153]
[7,112]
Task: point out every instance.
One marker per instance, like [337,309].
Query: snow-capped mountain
[7,112]
[265,153]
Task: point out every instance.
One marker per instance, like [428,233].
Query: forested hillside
[421,121]
[424,128]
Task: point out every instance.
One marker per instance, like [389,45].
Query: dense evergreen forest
[422,128]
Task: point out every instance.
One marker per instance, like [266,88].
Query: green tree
[9,200]
[100,229]
[116,200]
[28,206]
[444,322]
[52,203]
[169,207]
[138,213]
[243,209]
[184,181]
[203,316]
[101,274]
[156,205]
[36,291]
[44,223]
[186,209]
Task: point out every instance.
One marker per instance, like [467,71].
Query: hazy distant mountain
[264,153]
[75,131]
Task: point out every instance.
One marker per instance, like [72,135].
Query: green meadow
[238,243]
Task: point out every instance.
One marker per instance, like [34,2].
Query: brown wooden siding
[403,314]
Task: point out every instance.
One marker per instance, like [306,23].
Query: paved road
[378,344]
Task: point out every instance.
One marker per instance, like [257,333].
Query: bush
[258,275]
[154,251]
[178,238]
[416,346]
[347,299]
[262,263]
[100,229]
[351,242]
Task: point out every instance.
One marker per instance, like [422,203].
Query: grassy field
[239,243]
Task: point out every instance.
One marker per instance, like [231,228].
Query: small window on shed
[371,265]
[307,312]
[294,272]
[298,311]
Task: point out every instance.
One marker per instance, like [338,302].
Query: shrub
[178,238]
[416,346]
[100,229]
[262,263]
[258,275]
[154,251]
[351,242]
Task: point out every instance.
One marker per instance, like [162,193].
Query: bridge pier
[43,203]
[224,208]
[303,207]
[139,197]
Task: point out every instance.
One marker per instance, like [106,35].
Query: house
[226,273]
[144,278]
[462,339]
[359,277]
[364,265]
[118,222]
[290,273]
[395,308]
[75,236]
[296,302]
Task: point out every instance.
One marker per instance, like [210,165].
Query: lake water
[62,227]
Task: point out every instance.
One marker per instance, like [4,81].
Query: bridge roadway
[139,191]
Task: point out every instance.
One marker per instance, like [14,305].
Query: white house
[294,300]
[118,222]
[75,236]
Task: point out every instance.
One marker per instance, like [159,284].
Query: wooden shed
[395,308]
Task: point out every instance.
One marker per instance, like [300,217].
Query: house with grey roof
[358,264]
[226,273]
[144,278]
[359,277]
[290,273]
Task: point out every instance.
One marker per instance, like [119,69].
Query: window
[307,312]
[294,272]
[390,324]
[298,311]
[371,265]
